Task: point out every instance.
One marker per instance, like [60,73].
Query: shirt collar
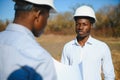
[19,28]
[89,41]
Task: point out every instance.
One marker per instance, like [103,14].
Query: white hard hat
[44,2]
[85,11]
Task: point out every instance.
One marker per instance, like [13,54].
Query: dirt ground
[54,44]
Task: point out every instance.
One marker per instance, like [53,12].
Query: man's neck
[25,23]
[82,40]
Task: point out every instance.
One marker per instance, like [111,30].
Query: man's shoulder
[24,44]
[70,42]
[98,42]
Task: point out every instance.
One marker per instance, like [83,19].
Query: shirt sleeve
[108,68]
[47,69]
[64,57]
[42,60]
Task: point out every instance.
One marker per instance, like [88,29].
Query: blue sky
[7,6]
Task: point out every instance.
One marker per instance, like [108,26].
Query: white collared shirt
[18,47]
[92,57]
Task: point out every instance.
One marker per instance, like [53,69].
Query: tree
[3,25]
[114,20]
[62,22]
[108,20]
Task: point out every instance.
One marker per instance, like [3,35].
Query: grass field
[54,44]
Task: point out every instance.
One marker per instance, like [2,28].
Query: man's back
[19,48]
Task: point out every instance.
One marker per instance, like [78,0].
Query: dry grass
[54,44]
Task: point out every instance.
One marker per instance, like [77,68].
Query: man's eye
[85,24]
[77,24]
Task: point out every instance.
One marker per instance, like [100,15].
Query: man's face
[39,27]
[83,27]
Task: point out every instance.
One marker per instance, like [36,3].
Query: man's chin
[39,34]
[81,37]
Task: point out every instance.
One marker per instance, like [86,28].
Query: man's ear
[37,14]
[36,17]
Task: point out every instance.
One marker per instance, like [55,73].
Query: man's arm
[108,68]
[64,58]
[47,69]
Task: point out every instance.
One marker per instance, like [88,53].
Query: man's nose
[80,27]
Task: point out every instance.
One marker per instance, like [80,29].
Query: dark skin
[35,21]
[83,28]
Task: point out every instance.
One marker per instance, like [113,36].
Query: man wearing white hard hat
[21,57]
[92,55]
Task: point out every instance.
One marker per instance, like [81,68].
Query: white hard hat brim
[44,2]
[84,16]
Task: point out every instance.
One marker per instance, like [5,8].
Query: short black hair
[92,20]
